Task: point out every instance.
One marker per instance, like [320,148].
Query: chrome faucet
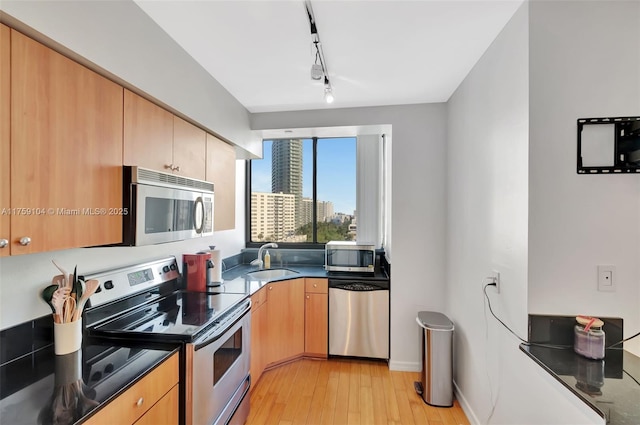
[258,261]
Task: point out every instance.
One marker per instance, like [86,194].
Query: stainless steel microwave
[347,256]
[164,207]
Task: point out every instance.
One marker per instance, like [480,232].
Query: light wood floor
[343,392]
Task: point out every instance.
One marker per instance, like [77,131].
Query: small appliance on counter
[589,338]
[196,271]
[215,272]
[349,256]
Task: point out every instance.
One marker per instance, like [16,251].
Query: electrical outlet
[495,278]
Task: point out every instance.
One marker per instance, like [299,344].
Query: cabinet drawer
[164,412]
[316,285]
[134,402]
[258,298]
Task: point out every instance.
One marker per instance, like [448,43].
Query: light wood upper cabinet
[155,138]
[5,140]
[66,152]
[285,317]
[148,134]
[155,395]
[221,171]
[189,149]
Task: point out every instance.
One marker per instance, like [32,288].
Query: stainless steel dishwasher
[359,318]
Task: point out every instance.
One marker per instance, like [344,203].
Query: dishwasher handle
[358,287]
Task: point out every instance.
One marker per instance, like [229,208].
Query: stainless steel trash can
[436,387]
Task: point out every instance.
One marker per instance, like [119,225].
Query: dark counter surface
[44,388]
[235,280]
[610,386]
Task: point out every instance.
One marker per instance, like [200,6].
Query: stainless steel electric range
[144,304]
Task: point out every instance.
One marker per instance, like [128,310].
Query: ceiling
[377,52]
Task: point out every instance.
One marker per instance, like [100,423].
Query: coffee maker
[195,271]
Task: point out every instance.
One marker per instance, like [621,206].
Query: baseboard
[473,419]
[405,366]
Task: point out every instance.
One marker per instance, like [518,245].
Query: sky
[336,172]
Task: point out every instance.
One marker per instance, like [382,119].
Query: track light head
[328,95]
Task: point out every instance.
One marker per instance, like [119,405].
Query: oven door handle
[217,332]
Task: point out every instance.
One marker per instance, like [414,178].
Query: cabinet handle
[315,285]
[176,168]
[168,166]
[308,297]
[25,240]
[140,401]
[3,243]
[270,288]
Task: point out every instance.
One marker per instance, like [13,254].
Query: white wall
[119,38]
[487,210]
[585,62]
[417,209]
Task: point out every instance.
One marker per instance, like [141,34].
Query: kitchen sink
[270,274]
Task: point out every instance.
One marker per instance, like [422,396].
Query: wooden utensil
[58,299]
[69,308]
[64,273]
[91,286]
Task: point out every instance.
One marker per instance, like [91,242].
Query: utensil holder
[68,368]
[67,337]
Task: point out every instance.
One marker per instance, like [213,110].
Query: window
[303,191]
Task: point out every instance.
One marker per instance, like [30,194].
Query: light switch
[606,275]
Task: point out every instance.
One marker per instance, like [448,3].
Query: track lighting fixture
[319,67]
[328,92]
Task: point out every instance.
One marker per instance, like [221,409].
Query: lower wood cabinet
[285,316]
[316,318]
[289,319]
[259,323]
[152,400]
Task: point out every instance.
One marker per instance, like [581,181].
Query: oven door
[218,375]
[164,214]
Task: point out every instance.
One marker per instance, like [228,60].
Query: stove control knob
[165,269]
[173,267]
[108,284]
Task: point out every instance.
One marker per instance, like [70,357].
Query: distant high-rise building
[286,169]
[324,211]
[273,217]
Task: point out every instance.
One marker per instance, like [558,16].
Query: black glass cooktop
[178,316]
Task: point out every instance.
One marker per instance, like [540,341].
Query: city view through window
[282,191]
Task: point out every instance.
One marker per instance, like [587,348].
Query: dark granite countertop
[235,280]
[610,386]
[44,388]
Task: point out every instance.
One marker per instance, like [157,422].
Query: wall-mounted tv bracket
[609,145]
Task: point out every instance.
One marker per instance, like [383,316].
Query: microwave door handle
[199,203]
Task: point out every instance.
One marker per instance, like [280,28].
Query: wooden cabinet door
[259,340]
[316,324]
[66,151]
[148,134]
[5,140]
[221,171]
[189,149]
[141,396]
[285,315]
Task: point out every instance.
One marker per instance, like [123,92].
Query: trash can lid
[434,320]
